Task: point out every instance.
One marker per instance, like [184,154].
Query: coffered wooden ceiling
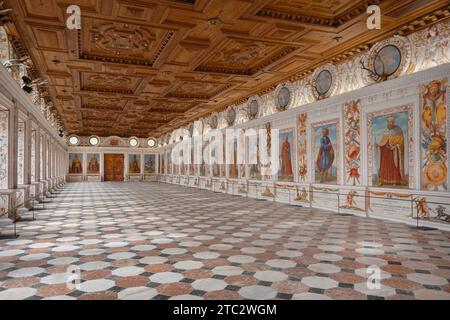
[145,67]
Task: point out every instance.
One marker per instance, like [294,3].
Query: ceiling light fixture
[214,21]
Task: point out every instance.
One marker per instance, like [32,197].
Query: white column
[12,147]
[37,155]
[44,157]
[27,153]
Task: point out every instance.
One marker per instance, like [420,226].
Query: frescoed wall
[233,168]
[326,151]
[75,163]
[287,152]
[302,147]
[352,142]
[20,151]
[149,164]
[388,160]
[41,157]
[391,148]
[134,164]
[93,163]
[252,151]
[434,131]
[4,118]
[33,156]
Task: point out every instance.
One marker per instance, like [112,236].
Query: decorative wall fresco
[233,168]
[302,149]
[134,163]
[169,161]
[287,152]
[41,158]
[326,151]
[93,163]
[372,159]
[20,151]
[4,118]
[389,203]
[432,208]
[149,163]
[433,116]
[352,142]
[75,163]
[266,169]
[33,156]
[3,203]
[192,165]
[47,158]
[391,148]
[254,170]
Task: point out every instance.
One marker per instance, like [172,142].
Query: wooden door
[114,167]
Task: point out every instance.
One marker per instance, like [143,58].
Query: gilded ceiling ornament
[105,80]
[195,88]
[241,55]
[122,38]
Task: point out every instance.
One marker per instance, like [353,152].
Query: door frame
[105,155]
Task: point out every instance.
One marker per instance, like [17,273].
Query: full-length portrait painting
[93,166]
[254,169]
[390,150]
[233,167]
[149,163]
[325,150]
[75,163]
[286,155]
[134,163]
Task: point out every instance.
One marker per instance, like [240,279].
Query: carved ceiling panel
[102,82]
[122,42]
[245,57]
[146,67]
[197,90]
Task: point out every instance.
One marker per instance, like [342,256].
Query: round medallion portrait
[213,122]
[284,97]
[387,60]
[253,109]
[323,81]
[231,116]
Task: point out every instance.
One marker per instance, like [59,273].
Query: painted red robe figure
[391,155]
[286,163]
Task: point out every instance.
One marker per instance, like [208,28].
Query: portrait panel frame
[92,168]
[74,168]
[315,127]
[132,169]
[290,134]
[391,111]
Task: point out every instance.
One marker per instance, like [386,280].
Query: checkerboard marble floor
[159,241]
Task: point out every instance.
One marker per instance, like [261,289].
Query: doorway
[114,165]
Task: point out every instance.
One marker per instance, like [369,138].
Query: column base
[23,196]
[8,200]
